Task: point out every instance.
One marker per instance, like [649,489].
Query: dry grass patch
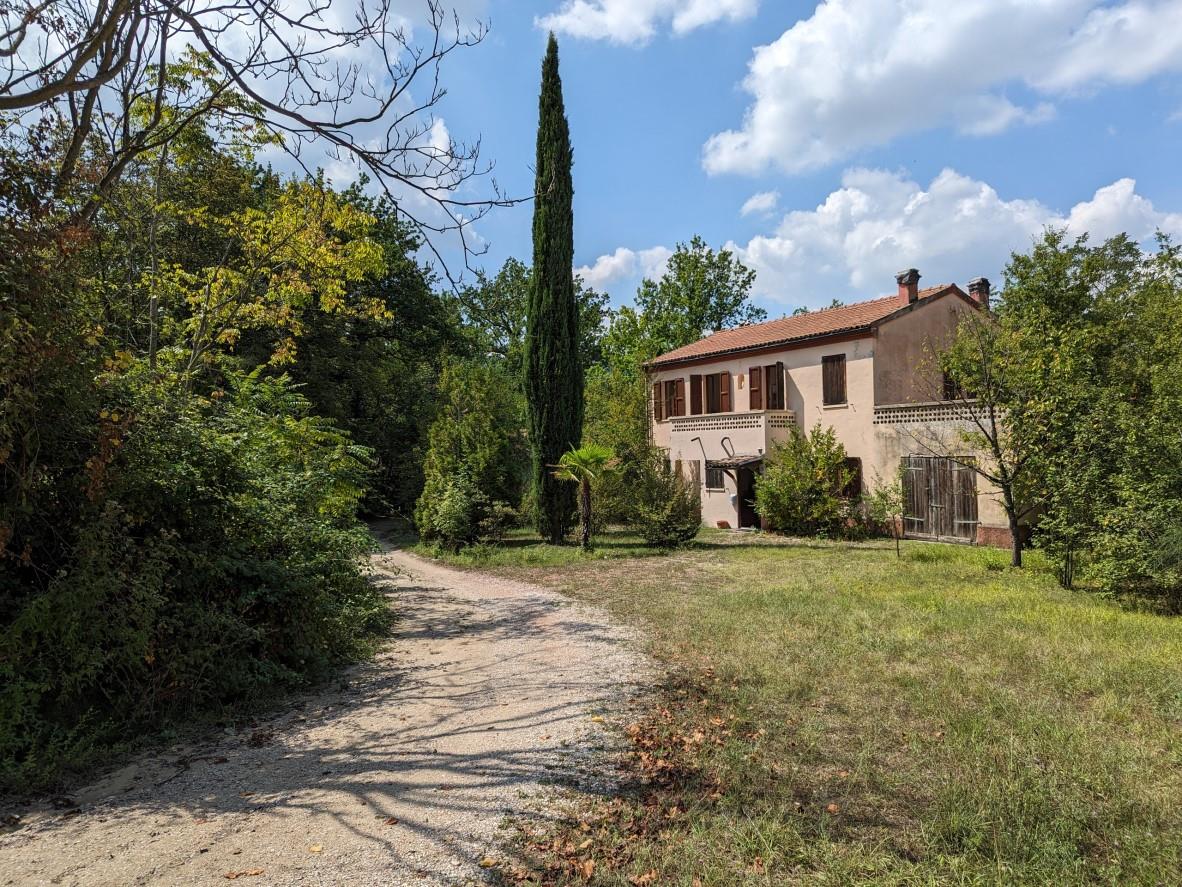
[835,714]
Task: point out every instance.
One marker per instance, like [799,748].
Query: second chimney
[908,286]
[979,290]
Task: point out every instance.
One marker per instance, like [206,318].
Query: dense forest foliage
[208,381]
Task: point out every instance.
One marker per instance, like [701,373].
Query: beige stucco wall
[879,370]
[904,371]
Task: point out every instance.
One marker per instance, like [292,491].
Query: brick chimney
[979,290]
[908,286]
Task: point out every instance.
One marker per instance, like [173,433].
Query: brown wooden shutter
[774,376]
[724,392]
[833,379]
[679,398]
[755,377]
[695,395]
[658,402]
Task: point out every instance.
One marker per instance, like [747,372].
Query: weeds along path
[488,692]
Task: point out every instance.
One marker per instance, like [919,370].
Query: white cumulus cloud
[954,229]
[625,265]
[635,22]
[859,73]
[763,203]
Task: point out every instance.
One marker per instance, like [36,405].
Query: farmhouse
[720,404]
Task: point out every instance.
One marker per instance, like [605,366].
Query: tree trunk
[1016,542]
[154,296]
[585,509]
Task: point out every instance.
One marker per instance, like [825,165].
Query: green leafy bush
[455,517]
[476,454]
[216,557]
[800,490]
[668,510]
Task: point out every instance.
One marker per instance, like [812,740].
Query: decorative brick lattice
[921,413]
[732,421]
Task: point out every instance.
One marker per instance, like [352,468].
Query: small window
[951,391]
[773,375]
[715,479]
[833,379]
[853,487]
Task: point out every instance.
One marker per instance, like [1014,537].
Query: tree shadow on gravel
[343,759]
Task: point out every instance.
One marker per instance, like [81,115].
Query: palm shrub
[582,466]
[800,489]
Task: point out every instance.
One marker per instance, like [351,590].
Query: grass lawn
[836,715]
[524,548]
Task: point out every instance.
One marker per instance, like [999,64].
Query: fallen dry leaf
[316,848]
[587,868]
[393,820]
[833,808]
[488,862]
[598,719]
[244,873]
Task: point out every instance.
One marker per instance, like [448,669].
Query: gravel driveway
[489,692]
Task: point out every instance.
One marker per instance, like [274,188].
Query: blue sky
[877,135]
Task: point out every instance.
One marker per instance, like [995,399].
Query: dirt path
[402,775]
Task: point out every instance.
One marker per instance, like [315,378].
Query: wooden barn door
[939,498]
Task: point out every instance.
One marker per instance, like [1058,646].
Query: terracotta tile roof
[787,330]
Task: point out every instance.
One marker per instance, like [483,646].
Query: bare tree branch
[363,89]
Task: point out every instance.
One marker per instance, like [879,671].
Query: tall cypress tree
[553,374]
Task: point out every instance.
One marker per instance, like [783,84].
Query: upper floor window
[710,393]
[668,399]
[953,391]
[766,387]
[718,393]
[833,379]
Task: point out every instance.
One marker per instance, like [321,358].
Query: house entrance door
[939,498]
[745,488]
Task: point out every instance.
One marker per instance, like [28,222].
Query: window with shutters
[668,399]
[695,395]
[713,393]
[833,379]
[718,392]
[773,380]
[755,388]
[715,480]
